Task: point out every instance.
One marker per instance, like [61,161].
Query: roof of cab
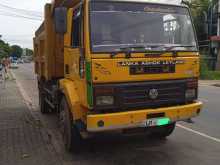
[167,2]
[70,3]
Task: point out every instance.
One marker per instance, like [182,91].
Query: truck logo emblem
[153,94]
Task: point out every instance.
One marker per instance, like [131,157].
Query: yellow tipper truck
[125,65]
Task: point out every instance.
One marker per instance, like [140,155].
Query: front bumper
[135,119]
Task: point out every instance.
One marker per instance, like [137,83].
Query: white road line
[204,85]
[203,100]
[199,133]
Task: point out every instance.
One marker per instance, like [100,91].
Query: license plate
[157,122]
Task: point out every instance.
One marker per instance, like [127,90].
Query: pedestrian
[6,67]
[2,74]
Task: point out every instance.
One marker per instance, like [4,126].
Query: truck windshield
[141,26]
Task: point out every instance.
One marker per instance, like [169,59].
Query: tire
[71,135]
[163,131]
[44,107]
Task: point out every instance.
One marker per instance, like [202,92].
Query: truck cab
[127,64]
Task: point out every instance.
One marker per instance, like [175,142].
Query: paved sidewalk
[22,141]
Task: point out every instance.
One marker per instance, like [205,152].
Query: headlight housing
[190,94]
[104,100]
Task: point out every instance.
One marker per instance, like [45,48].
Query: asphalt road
[190,144]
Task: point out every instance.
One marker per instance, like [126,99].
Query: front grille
[132,96]
[137,95]
[158,69]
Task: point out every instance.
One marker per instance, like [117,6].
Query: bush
[206,74]
[204,69]
[214,75]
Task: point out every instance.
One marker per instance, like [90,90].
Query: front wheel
[163,131]
[71,135]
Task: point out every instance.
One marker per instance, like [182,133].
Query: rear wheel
[44,107]
[71,135]
[163,131]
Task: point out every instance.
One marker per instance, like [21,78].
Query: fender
[68,88]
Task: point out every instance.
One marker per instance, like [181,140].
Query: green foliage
[199,10]
[16,51]
[206,74]
[212,75]
[5,49]
[29,52]
[204,70]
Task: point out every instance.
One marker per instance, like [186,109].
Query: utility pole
[218,34]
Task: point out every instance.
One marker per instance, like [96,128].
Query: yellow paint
[134,117]
[69,89]
[71,58]
[75,88]
[190,68]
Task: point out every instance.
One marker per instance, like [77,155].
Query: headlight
[190,93]
[104,100]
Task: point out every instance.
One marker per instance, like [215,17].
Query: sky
[16,30]
[20,31]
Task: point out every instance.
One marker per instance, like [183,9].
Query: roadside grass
[211,75]
[206,74]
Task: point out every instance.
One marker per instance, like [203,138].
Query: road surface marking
[204,85]
[203,100]
[199,133]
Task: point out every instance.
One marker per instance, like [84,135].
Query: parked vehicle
[20,61]
[14,65]
[27,61]
[107,65]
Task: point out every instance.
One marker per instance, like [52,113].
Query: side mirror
[60,17]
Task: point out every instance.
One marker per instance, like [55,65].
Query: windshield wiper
[144,46]
[179,46]
[129,49]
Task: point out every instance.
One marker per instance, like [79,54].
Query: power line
[18,35]
[19,16]
[22,11]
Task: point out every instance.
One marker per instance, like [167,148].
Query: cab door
[74,51]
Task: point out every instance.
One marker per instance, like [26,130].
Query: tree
[201,12]
[28,52]
[16,51]
[5,49]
